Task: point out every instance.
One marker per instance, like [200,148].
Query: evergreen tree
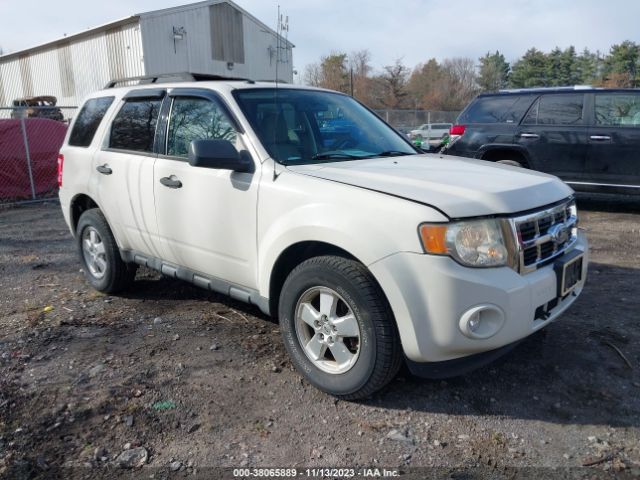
[493,72]
[622,66]
[554,68]
[588,67]
[530,70]
[569,74]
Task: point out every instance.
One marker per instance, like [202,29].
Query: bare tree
[313,75]
[394,78]
[360,70]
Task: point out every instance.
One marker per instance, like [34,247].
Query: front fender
[369,225]
[364,240]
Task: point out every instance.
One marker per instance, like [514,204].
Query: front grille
[545,235]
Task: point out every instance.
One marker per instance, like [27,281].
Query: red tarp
[45,138]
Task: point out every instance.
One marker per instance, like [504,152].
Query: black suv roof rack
[172,77]
[547,89]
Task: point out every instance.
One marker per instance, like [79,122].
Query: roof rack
[547,89]
[172,77]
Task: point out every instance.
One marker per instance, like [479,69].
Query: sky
[413,30]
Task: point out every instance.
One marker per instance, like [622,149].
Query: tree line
[450,84]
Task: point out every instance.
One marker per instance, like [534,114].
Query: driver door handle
[529,135]
[104,169]
[171,182]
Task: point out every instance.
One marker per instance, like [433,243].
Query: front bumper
[428,295]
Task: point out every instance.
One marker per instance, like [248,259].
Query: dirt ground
[185,381]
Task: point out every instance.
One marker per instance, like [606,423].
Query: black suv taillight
[457,130]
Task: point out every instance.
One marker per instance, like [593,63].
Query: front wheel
[337,327]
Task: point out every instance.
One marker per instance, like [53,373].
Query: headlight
[474,243]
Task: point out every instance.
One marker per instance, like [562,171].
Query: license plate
[569,272]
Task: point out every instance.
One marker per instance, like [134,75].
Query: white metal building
[211,37]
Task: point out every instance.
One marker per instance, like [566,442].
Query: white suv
[368,252]
[430,131]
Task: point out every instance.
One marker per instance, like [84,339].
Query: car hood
[459,187]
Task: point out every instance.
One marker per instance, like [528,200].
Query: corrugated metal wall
[75,68]
[65,67]
[25,74]
[3,99]
[227,33]
[194,53]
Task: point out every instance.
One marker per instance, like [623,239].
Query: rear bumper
[430,294]
[65,202]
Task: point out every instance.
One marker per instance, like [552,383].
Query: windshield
[307,126]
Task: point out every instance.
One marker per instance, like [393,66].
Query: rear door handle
[104,169]
[529,135]
[600,138]
[171,182]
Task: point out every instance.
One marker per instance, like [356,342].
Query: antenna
[282,45]
[278,29]
[282,40]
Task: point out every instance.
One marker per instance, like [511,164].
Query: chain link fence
[30,139]
[407,120]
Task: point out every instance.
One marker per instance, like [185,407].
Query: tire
[103,267]
[356,324]
[513,163]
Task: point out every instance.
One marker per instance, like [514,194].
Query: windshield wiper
[392,153]
[333,154]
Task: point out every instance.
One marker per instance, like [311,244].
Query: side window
[134,127]
[89,120]
[614,109]
[508,108]
[195,118]
[556,110]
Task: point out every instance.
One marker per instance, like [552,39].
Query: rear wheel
[513,163]
[338,328]
[103,267]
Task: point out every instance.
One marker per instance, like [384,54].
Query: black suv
[589,137]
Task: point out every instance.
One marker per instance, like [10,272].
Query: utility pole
[351,80]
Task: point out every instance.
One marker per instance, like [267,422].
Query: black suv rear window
[618,109]
[89,120]
[508,108]
[134,127]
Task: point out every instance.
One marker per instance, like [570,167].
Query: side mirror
[220,154]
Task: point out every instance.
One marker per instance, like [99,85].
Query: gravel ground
[183,381]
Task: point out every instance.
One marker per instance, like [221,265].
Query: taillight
[457,130]
[60,166]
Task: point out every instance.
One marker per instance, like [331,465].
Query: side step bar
[199,279]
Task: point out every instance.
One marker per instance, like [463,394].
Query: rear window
[618,109]
[88,121]
[497,109]
[134,127]
[556,110]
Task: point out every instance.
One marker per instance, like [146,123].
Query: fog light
[474,321]
[481,321]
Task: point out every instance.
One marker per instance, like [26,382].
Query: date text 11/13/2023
[315,472]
